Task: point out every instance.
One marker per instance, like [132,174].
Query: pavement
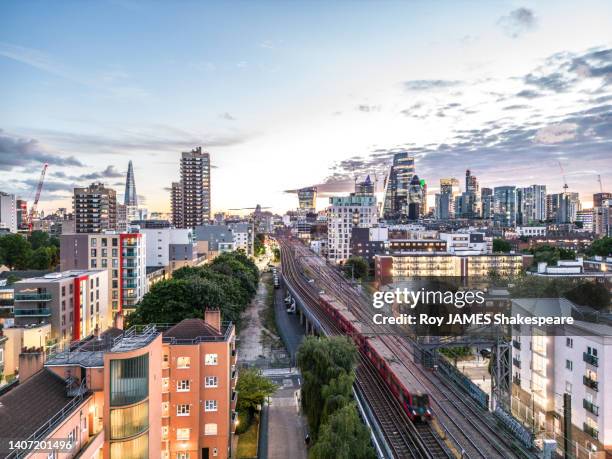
[284,426]
[478,371]
[250,347]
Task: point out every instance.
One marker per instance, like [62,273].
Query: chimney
[213,318]
[31,361]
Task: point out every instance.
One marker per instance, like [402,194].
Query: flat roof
[54,277]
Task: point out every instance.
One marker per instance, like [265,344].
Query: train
[415,403]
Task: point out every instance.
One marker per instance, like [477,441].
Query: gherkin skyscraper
[130,198]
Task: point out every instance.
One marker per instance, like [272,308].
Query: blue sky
[289,94]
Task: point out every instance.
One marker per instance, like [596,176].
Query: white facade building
[545,366]
[464,242]
[344,214]
[8,212]
[531,231]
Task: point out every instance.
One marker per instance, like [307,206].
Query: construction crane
[600,184]
[565,187]
[30,217]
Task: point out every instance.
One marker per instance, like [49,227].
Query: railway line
[403,438]
[471,429]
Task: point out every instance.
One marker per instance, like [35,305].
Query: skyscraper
[195,187]
[470,201]
[365,188]
[307,199]
[562,207]
[396,186]
[486,199]
[130,198]
[504,206]
[445,200]
[95,209]
[415,198]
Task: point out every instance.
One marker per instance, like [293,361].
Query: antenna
[600,184]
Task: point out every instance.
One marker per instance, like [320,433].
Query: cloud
[227,116]
[556,133]
[426,85]
[528,94]
[109,172]
[25,152]
[518,21]
[368,108]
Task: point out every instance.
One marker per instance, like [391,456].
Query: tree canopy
[357,267]
[253,388]
[601,247]
[327,367]
[228,283]
[38,251]
[344,436]
[501,245]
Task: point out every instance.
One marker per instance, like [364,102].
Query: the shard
[130,198]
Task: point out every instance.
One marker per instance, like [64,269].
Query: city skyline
[263,97]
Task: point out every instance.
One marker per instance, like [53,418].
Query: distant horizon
[285,96]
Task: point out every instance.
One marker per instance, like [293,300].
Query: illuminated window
[210,359]
[182,434]
[210,429]
[183,362]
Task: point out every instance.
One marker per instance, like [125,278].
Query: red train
[395,374]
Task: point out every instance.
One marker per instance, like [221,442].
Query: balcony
[130,253]
[590,383]
[590,407]
[32,296]
[40,312]
[129,275]
[129,264]
[592,431]
[590,359]
[130,296]
[516,363]
[234,372]
[129,284]
[516,380]
[516,344]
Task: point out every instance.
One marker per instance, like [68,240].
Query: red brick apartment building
[149,392]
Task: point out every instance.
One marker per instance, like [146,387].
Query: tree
[591,294]
[41,258]
[276,252]
[324,363]
[501,245]
[14,251]
[259,245]
[566,254]
[253,388]
[356,267]
[344,436]
[38,239]
[601,247]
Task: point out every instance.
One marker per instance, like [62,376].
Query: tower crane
[30,216]
[565,187]
[600,184]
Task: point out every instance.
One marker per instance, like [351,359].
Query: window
[211,381]
[183,362]
[210,359]
[210,429]
[182,385]
[211,405]
[182,455]
[183,410]
[569,342]
[568,387]
[182,434]
[569,365]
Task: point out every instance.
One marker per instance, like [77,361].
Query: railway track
[402,436]
[471,428]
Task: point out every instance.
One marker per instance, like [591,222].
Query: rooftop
[56,276]
[31,406]
[193,331]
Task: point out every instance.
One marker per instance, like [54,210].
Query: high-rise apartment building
[487,203]
[194,189]
[562,207]
[504,206]
[395,205]
[176,205]
[344,214]
[22,212]
[599,223]
[75,303]
[8,212]
[95,209]
[470,199]
[123,255]
[531,204]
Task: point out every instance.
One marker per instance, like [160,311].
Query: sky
[292,94]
